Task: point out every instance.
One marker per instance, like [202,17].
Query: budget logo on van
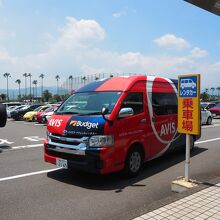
[85,124]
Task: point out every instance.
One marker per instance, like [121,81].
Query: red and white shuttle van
[114,124]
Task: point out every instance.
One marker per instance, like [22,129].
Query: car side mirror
[125,112]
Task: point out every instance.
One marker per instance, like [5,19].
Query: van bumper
[89,162]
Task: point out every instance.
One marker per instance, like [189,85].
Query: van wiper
[66,113]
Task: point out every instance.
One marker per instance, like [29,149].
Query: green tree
[3,96]
[35,84]
[218,89]
[47,95]
[57,97]
[205,96]
[212,89]
[18,81]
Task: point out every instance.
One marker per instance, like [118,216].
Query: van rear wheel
[134,161]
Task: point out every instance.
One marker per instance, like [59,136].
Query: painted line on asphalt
[23,147]
[27,174]
[206,141]
[210,126]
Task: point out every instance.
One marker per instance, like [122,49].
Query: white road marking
[27,174]
[33,138]
[23,147]
[206,141]
[5,141]
[211,126]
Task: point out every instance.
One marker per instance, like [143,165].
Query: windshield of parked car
[89,103]
[217,106]
[204,105]
[38,109]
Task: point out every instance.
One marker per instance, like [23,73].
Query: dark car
[18,114]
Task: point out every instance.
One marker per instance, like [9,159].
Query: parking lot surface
[33,189]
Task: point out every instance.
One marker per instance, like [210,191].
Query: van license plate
[213,115]
[62,163]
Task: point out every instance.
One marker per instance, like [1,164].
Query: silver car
[206,116]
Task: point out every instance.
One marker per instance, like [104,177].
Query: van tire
[3,115]
[134,161]
[209,120]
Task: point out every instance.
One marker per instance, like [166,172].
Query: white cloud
[196,52]
[75,51]
[170,41]
[81,33]
[7,34]
[117,14]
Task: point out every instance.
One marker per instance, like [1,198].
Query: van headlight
[101,140]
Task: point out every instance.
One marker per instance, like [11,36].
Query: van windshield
[89,103]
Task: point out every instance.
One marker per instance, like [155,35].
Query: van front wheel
[134,161]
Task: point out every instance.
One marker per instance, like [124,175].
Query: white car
[187,83]
[206,116]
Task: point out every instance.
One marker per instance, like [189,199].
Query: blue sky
[86,37]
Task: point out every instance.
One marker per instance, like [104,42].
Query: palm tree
[35,83]
[212,89]
[18,81]
[25,91]
[6,75]
[30,75]
[218,88]
[57,77]
[84,79]
[71,82]
[42,79]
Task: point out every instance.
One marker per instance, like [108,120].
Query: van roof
[121,83]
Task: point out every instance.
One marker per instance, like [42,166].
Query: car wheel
[133,162]
[209,120]
[3,115]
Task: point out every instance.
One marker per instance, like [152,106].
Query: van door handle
[143,120]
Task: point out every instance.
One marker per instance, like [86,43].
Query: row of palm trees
[213,89]
[34,82]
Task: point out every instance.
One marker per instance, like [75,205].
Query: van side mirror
[125,112]
[104,112]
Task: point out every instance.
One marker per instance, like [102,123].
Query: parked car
[13,108]
[18,114]
[47,115]
[30,116]
[40,115]
[206,116]
[215,110]
[208,105]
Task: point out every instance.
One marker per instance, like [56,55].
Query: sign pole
[187,162]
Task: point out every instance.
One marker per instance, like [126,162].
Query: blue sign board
[188,86]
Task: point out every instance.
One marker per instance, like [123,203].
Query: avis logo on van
[167,129]
[55,122]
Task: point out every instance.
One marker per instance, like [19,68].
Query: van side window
[164,103]
[134,100]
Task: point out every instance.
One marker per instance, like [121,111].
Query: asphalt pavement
[30,190]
